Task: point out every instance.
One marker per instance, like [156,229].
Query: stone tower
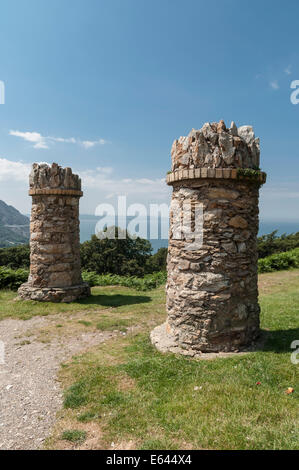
[55,271]
[212,294]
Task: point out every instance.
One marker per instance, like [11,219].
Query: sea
[88,224]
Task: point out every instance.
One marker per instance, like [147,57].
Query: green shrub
[12,279]
[279,261]
[15,257]
[149,281]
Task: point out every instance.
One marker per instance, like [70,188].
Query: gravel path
[30,394]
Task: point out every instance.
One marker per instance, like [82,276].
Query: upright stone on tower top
[215,146]
[55,268]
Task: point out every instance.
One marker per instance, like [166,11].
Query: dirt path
[30,394]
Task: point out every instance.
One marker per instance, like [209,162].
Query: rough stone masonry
[212,294]
[55,270]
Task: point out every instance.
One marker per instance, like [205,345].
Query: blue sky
[105,86]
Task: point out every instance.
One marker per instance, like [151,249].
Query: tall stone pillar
[55,271]
[212,293]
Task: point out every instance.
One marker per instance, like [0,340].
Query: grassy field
[125,395]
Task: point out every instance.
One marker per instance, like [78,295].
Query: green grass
[167,402]
[280,313]
[85,323]
[87,417]
[229,411]
[121,298]
[132,393]
[74,436]
[108,323]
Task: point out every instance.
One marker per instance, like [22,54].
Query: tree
[157,262]
[271,243]
[15,257]
[127,256]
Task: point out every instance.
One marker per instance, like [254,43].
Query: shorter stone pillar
[55,268]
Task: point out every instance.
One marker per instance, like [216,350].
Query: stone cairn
[55,270]
[212,294]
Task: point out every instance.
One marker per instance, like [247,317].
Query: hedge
[279,261]
[149,281]
[12,279]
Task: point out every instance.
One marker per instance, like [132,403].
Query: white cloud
[17,171]
[70,140]
[34,137]
[88,144]
[288,70]
[91,143]
[274,85]
[41,145]
[104,179]
[103,184]
[107,170]
[30,136]
[44,142]
[98,184]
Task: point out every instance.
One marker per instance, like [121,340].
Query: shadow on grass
[117,300]
[278,341]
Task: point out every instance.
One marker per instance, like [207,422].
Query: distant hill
[11,216]
[14,226]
